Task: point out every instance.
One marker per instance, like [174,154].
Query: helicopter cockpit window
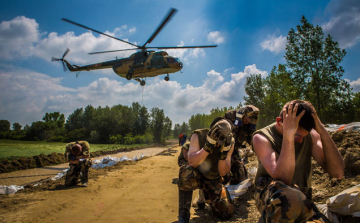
[168,60]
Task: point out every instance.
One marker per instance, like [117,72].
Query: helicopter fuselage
[138,65]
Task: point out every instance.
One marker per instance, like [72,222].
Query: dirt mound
[42,160]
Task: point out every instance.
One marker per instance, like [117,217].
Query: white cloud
[274,44]
[344,24]
[354,84]
[18,37]
[234,90]
[216,37]
[28,95]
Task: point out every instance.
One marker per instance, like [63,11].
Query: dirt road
[25,177]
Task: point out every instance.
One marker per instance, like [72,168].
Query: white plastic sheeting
[345,203]
[110,161]
[242,188]
[12,189]
[355,126]
[98,164]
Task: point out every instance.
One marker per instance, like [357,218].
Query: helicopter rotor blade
[181,47]
[55,59]
[85,27]
[66,52]
[111,51]
[63,63]
[161,26]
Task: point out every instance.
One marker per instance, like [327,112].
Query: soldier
[183,157]
[244,120]
[78,154]
[284,150]
[209,158]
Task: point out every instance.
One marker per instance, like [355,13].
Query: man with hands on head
[284,150]
[209,158]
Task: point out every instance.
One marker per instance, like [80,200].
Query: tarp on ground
[354,126]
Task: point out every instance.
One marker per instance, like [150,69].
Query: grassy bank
[13,149]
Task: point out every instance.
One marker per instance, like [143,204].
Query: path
[141,191]
[24,177]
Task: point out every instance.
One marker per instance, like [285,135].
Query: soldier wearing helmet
[244,120]
[209,159]
[78,155]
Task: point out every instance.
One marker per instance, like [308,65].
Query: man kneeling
[209,159]
[78,154]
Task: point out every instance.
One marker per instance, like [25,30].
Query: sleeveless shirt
[303,153]
[208,168]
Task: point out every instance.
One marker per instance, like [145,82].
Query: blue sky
[251,38]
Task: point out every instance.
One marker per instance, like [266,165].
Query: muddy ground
[146,191]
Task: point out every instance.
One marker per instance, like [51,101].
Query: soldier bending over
[209,158]
[78,155]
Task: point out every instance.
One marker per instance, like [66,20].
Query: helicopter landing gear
[167,78]
[141,81]
[128,76]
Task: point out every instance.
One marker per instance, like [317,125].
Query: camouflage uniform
[181,160]
[73,174]
[278,202]
[242,133]
[213,189]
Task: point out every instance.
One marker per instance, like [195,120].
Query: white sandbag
[345,203]
[12,189]
[354,126]
[60,175]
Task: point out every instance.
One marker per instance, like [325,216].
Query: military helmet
[236,116]
[76,149]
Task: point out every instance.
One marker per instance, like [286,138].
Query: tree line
[118,124]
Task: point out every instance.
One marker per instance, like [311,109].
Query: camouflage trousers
[238,171]
[214,191]
[278,202]
[73,174]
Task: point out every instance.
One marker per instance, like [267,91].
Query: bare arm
[225,165]
[185,154]
[282,166]
[326,154]
[196,155]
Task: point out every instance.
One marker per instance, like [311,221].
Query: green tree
[255,87]
[314,64]
[167,127]
[157,118]
[4,125]
[176,131]
[75,120]
[17,127]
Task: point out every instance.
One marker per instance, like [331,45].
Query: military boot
[84,176]
[184,206]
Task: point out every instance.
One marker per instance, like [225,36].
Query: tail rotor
[62,59]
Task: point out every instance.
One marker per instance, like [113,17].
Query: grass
[12,149]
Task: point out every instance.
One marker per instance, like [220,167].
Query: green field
[12,149]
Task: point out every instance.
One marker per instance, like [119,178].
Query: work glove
[226,143]
[220,129]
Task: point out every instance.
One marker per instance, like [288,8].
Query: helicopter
[140,65]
